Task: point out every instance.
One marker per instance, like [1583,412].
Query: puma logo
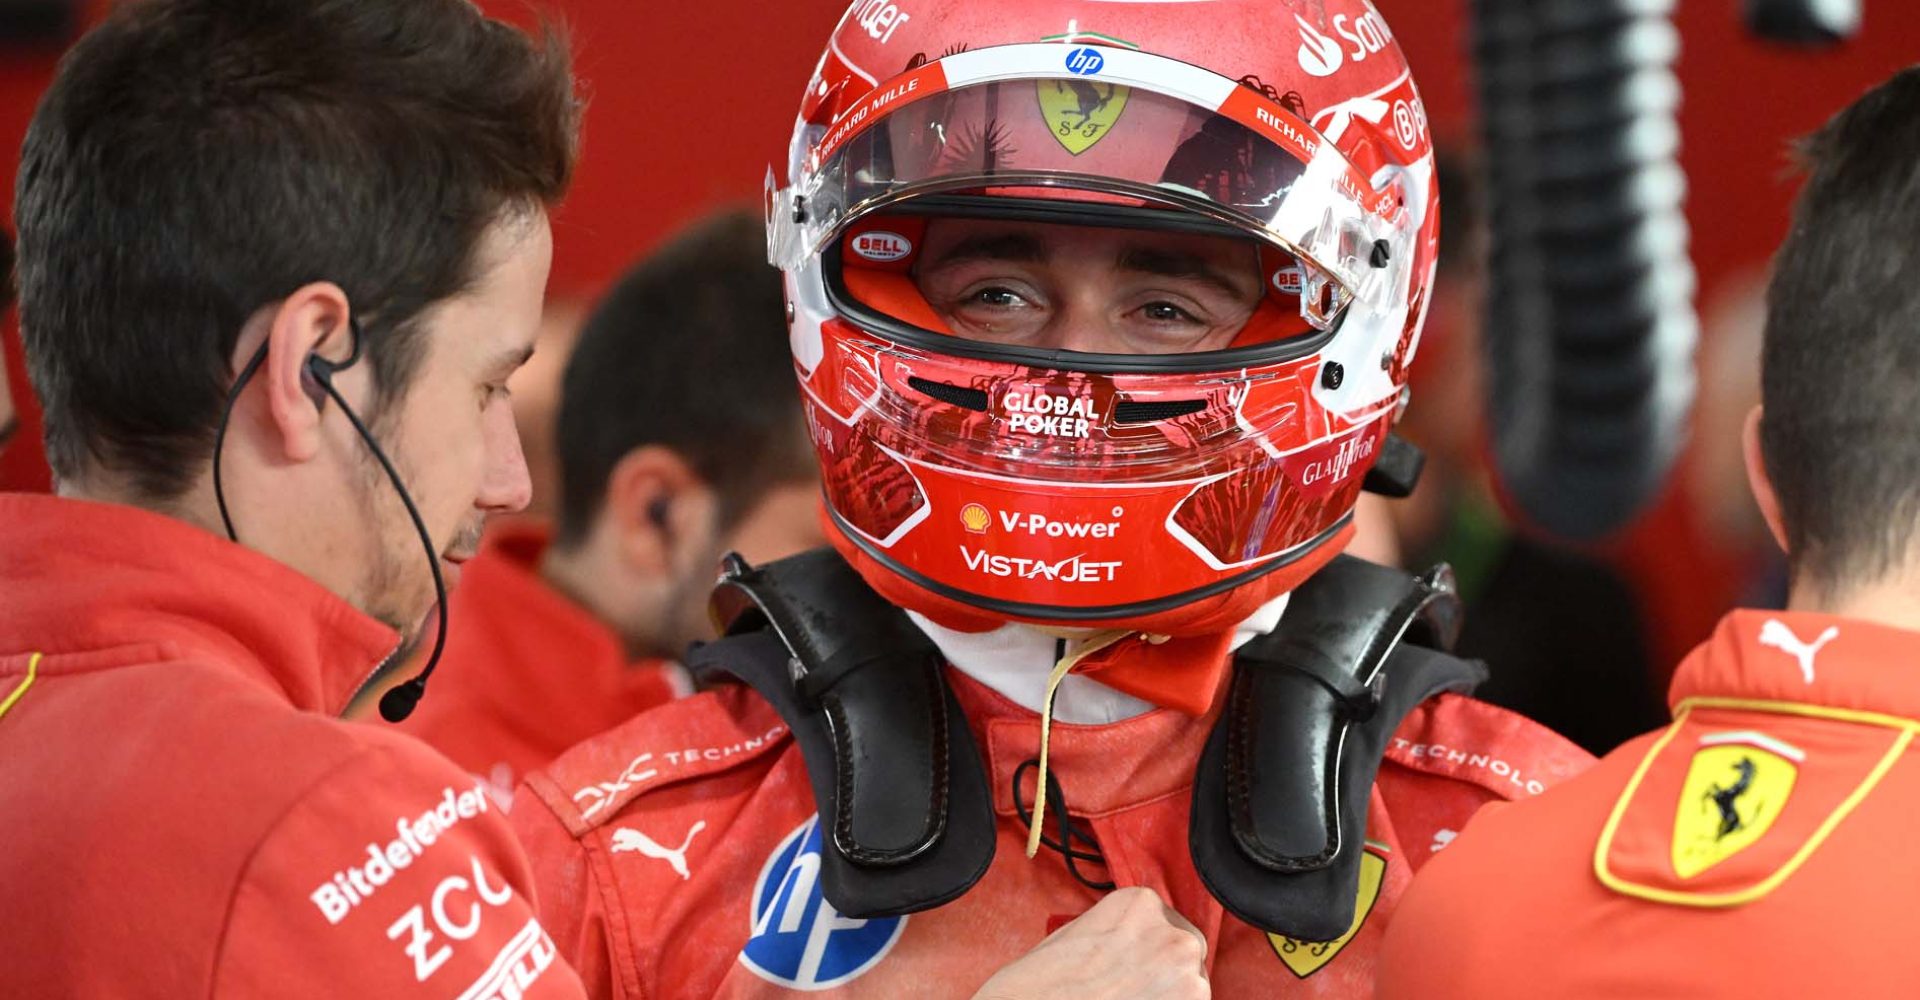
[633,840]
[1775,633]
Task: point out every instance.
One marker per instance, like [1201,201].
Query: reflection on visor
[1077,135]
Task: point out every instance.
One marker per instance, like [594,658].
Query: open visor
[1139,130]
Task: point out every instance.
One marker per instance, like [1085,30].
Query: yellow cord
[33,669]
[1092,645]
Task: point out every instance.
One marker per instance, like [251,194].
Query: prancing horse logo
[1079,113]
[1726,799]
[1718,818]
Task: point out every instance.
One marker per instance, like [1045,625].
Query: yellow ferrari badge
[1080,112]
[1308,957]
[1735,788]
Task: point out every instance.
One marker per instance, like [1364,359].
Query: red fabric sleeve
[572,900]
[393,876]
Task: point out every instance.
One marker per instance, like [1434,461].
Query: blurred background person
[679,438]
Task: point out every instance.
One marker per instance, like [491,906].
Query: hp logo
[1085,62]
[798,939]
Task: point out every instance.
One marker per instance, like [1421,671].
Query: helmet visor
[1247,163]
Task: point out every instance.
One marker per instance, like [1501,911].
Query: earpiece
[316,380]
[316,375]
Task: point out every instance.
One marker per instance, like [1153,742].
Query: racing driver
[1102,316]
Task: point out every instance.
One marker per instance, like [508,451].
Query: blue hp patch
[1085,62]
[799,940]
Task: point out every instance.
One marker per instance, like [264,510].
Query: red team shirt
[527,673]
[185,816]
[678,855]
[1761,846]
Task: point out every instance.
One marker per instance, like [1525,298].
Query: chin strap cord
[33,671]
[1088,646]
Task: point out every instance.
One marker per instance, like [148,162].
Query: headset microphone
[317,379]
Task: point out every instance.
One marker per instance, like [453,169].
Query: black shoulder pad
[1280,797]
[899,784]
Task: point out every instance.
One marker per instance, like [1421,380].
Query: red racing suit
[678,856]
[527,673]
[184,815]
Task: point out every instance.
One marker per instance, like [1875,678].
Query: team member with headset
[306,266]
[269,302]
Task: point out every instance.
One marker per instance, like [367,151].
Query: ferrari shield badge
[1080,112]
[1308,957]
[1735,788]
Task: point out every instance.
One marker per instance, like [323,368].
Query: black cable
[398,702]
[1070,830]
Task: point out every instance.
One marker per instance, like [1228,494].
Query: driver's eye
[1164,311]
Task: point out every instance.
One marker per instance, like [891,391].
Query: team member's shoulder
[1501,752]
[693,739]
[390,874]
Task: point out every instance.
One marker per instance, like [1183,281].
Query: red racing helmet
[1173,491]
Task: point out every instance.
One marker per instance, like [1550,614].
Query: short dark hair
[1840,370]
[195,160]
[688,351]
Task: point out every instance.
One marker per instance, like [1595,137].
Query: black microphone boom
[399,702]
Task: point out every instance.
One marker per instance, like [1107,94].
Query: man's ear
[659,509]
[1758,481]
[313,318]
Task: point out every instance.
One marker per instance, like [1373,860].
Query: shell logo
[975,518]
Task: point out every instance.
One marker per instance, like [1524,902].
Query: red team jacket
[182,815]
[678,856]
[1760,846]
[527,673]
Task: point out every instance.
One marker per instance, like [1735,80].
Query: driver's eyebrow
[1017,248]
[1175,264]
